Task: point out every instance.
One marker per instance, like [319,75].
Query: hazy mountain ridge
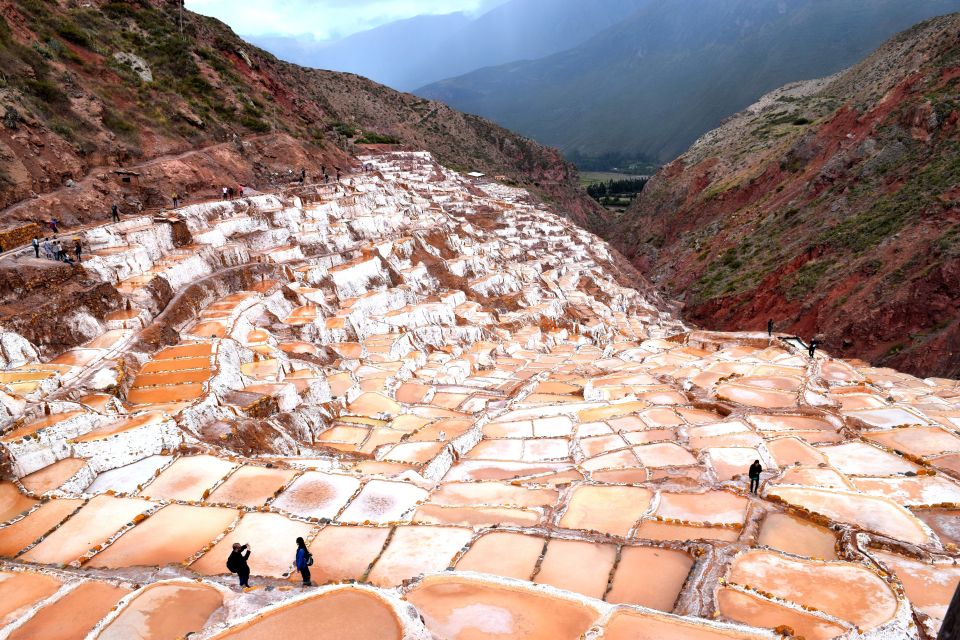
[830,206]
[650,85]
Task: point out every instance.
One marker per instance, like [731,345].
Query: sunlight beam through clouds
[324,19]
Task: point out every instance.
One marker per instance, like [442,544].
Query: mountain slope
[411,53]
[830,206]
[87,88]
[649,86]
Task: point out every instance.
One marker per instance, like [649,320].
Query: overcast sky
[325,19]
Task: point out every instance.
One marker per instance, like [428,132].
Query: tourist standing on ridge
[115,213]
[36,246]
[226,192]
[57,249]
[303,175]
[47,249]
[770,327]
[303,561]
[176,200]
[237,563]
[755,471]
[812,349]
[53,225]
[77,248]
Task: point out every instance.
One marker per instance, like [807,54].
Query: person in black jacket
[237,563]
[755,470]
[950,629]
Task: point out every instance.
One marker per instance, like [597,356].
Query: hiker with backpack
[303,561]
[237,563]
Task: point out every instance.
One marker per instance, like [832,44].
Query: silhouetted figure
[53,225]
[237,563]
[950,630]
[36,246]
[115,213]
[303,175]
[77,248]
[770,328]
[303,561]
[755,470]
[812,349]
[338,176]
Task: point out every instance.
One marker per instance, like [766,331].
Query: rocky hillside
[88,87]
[831,206]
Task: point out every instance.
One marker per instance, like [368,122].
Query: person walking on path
[303,561]
[755,470]
[114,213]
[47,249]
[237,563]
[77,249]
[770,328]
[176,200]
[812,349]
[36,246]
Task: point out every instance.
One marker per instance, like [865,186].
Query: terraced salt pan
[730,462]
[754,610]
[171,535]
[19,535]
[658,531]
[416,550]
[382,502]
[815,477]
[887,418]
[163,610]
[53,476]
[503,553]
[72,616]
[626,624]
[327,616]
[794,535]
[476,517]
[610,509]
[90,527]
[577,565]
[665,454]
[929,587]
[718,507]
[317,495]
[912,491]
[491,493]
[461,608]
[789,423]
[271,537]
[188,478]
[12,502]
[251,486]
[20,590]
[130,478]
[858,458]
[844,590]
[875,514]
[918,441]
[345,553]
[649,577]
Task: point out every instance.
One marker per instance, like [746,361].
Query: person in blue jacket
[303,561]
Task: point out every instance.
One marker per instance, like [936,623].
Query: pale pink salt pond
[461,608]
[877,514]
[929,586]
[664,454]
[847,591]
[649,577]
[415,550]
[503,553]
[730,462]
[718,507]
[918,441]
[381,502]
[171,535]
[753,610]
[791,450]
[251,486]
[626,624]
[858,458]
[660,531]
[53,476]
[317,495]
[345,553]
[576,565]
[164,610]
[756,397]
[793,535]
[455,494]
[188,478]
[266,534]
[328,616]
[90,527]
[610,509]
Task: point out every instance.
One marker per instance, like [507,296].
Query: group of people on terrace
[55,249]
[237,563]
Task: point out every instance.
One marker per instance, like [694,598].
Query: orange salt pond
[610,509]
[576,565]
[83,607]
[649,577]
[261,531]
[929,586]
[171,535]
[652,530]
[625,624]
[17,536]
[251,486]
[918,441]
[880,515]
[756,397]
[37,425]
[665,454]
[503,553]
[719,507]
[756,611]
[53,476]
[792,450]
[793,535]
[188,478]
[454,494]
[329,616]
[164,610]
[345,553]
[844,590]
[90,527]
[475,517]
[461,608]
[20,590]
[12,502]
[415,550]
